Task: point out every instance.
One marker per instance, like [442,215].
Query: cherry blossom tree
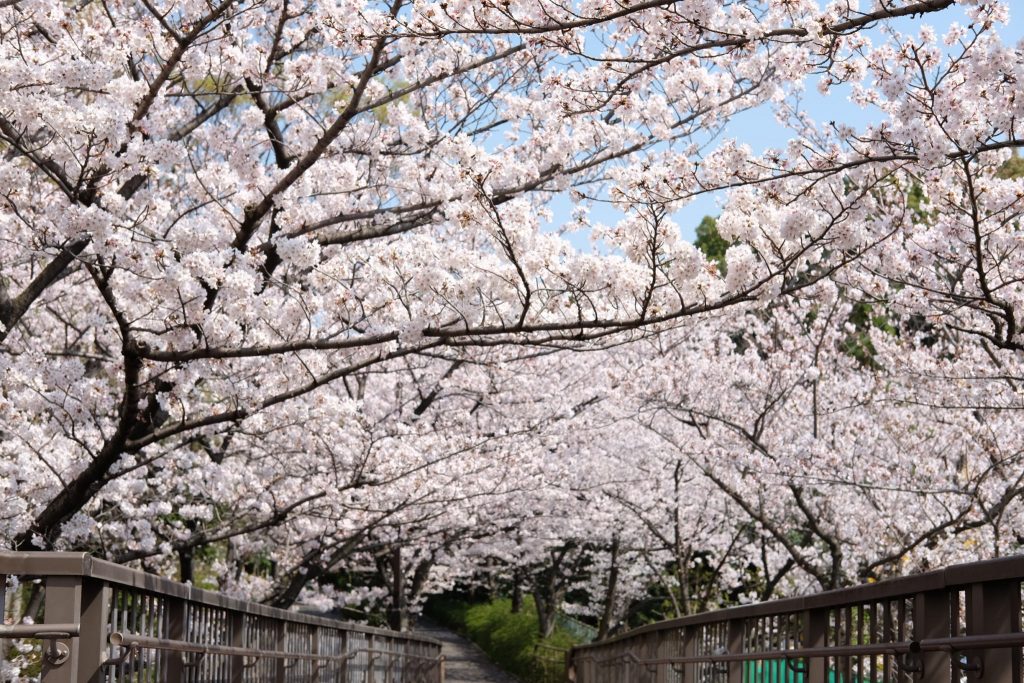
[851,468]
[278,286]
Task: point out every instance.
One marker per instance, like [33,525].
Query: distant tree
[711,244]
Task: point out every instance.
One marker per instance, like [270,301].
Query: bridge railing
[100,622]
[958,624]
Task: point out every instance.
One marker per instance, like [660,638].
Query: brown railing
[962,623]
[104,623]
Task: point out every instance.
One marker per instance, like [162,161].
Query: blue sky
[759,128]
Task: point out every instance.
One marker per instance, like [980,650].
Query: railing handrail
[954,576]
[949,644]
[84,565]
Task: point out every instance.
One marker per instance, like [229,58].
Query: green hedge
[507,638]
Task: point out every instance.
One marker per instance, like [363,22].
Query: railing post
[994,607]
[690,650]
[315,648]
[393,662]
[735,646]
[63,606]
[814,635]
[176,615]
[663,642]
[236,663]
[282,646]
[93,646]
[343,650]
[369,658]
[931,620]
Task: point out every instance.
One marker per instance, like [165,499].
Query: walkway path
[464,661]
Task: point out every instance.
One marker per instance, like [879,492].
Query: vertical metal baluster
[144,621]
[860,641]
[260,665]
[761,635]
[122,625]
[901,632]
[270,638]
[888,637]
[847,638]
[954,629]
[873,639]
[228,636]
[133,620]
[152,621]
[194,632]
[765,638]
[216,636]
[160,657]
[256,640]
[832,638]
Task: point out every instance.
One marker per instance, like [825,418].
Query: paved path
[464,661]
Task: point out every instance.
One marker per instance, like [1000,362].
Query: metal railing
[963,623]
[104,623]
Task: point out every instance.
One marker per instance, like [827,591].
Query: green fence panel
[776,671]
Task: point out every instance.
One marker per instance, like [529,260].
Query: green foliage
[711,243]
[338,98]
[210,88]
[204,574]
[510,639]
[1012,167]
[918,203]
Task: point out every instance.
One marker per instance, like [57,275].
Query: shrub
[509,639]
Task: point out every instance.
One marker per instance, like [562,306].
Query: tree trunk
[517,594]
[545,614]
[398,614]
[609,597]
[186,565]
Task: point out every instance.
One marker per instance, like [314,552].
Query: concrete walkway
[464,661]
